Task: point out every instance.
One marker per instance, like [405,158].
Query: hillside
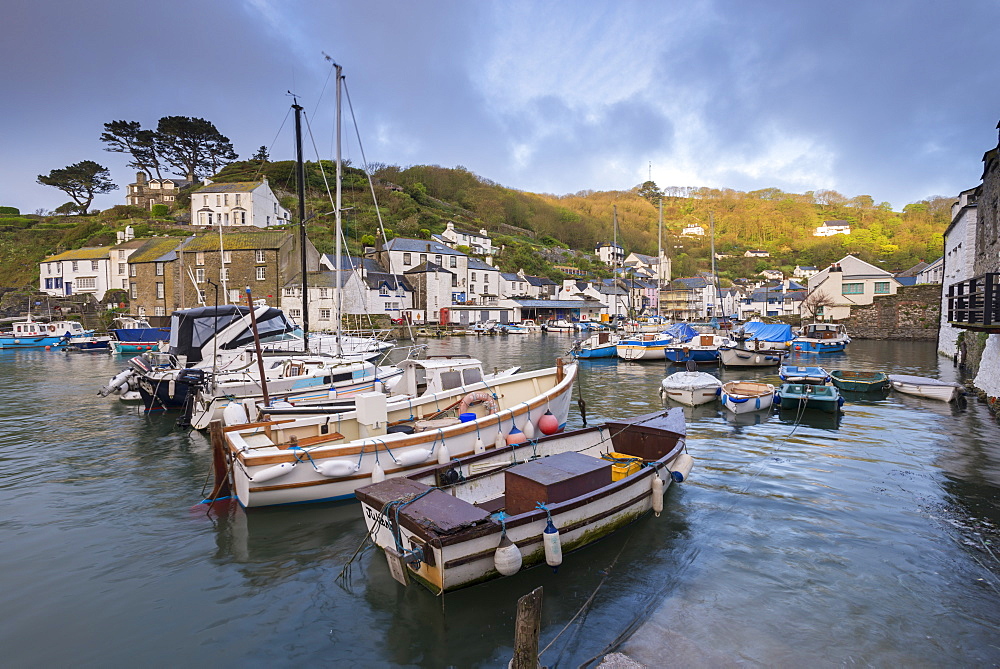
[419,200]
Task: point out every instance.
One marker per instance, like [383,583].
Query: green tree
[129,137]
[261,156]
[81,181]
[193,145]
[651,192]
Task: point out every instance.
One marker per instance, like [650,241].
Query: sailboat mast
[715,278]
[300,173]
[338,303]
[659,260]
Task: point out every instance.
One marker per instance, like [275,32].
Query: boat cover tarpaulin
[768,331]
[680,332]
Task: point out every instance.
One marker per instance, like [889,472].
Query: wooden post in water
[527,627]
[219,464]
[559,370]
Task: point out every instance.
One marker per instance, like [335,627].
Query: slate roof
[238,241]
[231,187]
[427,267]
[160,249]
[648,260]
[539,280]
[511,276]
[420,246]
[690,283]
[837,224]
[95,253]
[477,264]
[558,304]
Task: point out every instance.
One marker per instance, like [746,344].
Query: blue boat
[598,345]
[821,338]
[794,374]
[654,345]
[137,330]
[808,396]
[702,348]
[33,334]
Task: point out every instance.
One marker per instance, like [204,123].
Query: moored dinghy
[797,374]
[923,386]
[747,396]
[486,520]
[810,396]
[691,388]
[859,382]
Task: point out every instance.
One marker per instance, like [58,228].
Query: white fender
[500,441]
[273,472]
[529,428]
[444,455]
[337,468]
[507,558]
[378,474]
[480,447]
[681,467]
[553,545]
[413,456]
[657,494]
[119,381]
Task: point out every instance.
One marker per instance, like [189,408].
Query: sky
[893,99]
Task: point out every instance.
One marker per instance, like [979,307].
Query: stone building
[146,192]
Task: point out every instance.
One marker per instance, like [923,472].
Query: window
[199,258]
[57,283]
[210,218]
[121,254]
[159,311]
[406,259]
[124,284]
[437,259]
[206,200]
[423,259]
[141,311]
[227,257]
[259,255]
[75,265]
[199,275]
[295,313]
[881,287]
[261,273]
[135,291]
[159,290]
[473,279]
[122,268]
[86,283]
[234,295]
[384,290]
[237,199]
[276,207]
[324,292]
[225,199]
[324,314]
[267,220]
[131,270]
[224,274]
[243,217]
[453,262]
[159,269]
[48,268]
[853,289]
[93,265]
[218,200]
[48,283]
[226,217]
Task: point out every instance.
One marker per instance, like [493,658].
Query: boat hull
[860,382]
[602,351]
[691,388]
[808,396]
[391,452]
[701,356]
[747,397]
[741,357]
[818,345]
[929,388]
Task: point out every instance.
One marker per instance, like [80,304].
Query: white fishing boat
[326,457]
[691,388]
[30,333]
[821,338]
[742,356]
[491,515]
[559,325]
[747,396]
[923,386]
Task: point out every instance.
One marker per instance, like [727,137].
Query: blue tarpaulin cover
[768,331]
[681,332]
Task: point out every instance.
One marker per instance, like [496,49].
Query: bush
[10,210]
[121,211]
[159,210]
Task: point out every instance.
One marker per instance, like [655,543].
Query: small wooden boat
[810,396]
[859,382]
[923,386]
[740,356]
[747,396]
[691,388]
[796,374]
[478,518]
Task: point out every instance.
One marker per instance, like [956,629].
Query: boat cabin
[52,329]
[192,331]
[824,331]
[437,374]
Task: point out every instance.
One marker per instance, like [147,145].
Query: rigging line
[260,168]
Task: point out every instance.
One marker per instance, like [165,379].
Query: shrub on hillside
[18,223]
[120,211]
[10,210]
[159,210]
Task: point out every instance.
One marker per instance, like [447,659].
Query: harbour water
[869,539]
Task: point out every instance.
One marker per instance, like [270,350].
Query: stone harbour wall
[913,313]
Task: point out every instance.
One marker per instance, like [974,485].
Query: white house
[692,230]
[118,266]
[756,253]
[933,273]
[773,274]
[483,283]
[237,203]
[610,253]
[830,228]
[850,282]
[959,262]
[513,285]
[804,272]
[480,244]
[86,270]
[374,291]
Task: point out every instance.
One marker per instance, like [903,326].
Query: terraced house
[79,271]
[168,274]
[251,203]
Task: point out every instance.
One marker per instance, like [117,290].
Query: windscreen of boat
[271,323]
[190,329]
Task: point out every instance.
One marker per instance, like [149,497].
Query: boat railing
[975,303]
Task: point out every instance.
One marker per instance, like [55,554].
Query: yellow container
[622,465]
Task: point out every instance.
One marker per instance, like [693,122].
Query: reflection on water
[851,538]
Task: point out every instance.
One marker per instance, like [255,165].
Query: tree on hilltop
[129,137]
[81,181]
[193,145]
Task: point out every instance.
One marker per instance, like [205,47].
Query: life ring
[476,398]
[52,328]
